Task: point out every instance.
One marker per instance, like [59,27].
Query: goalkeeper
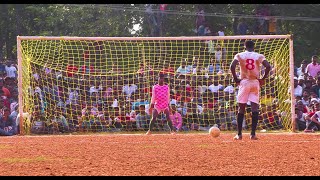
[160,103]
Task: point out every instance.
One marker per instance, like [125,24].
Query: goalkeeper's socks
[170,125]
[240,117]
[255,117]
[151,124]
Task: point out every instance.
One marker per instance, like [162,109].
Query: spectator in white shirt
[302,69]
[11,71]
[215,87]
[229,89]
[130,88]
[297,88]
[94,89]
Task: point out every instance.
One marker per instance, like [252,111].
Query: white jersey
[250,64]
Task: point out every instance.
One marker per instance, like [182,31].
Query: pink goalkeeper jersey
[160,96]
[250,63]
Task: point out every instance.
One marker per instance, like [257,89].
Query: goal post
[71,84]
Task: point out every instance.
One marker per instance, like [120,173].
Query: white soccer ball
[214,131]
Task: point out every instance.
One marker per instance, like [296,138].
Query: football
[214,131]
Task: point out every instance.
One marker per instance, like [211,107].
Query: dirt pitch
[278,154]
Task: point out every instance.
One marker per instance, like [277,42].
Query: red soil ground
[280,154]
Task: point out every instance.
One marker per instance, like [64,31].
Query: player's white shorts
[249,90]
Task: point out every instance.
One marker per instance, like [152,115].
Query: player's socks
[151,124]
[255,117]
[239,123]
[170,125]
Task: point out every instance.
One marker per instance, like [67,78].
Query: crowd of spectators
[71,100]
[306,93]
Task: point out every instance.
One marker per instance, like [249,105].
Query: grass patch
[24,160]
[5,146]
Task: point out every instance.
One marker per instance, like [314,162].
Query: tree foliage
[118,20]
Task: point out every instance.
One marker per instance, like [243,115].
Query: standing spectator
[218,58]
[313,68]
[212,66]
[221,31]
[235,22]
[272,27]
[200,20]
[161,17]
[11,70]
[242,27]
[152,20]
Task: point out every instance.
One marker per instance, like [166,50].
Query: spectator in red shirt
[71,68]
[86,69]
[167,69]
[5,90]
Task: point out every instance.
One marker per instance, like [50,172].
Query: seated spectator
[167,69]
[313,108]
[267,98]
[59,121]
[5,90]
[297,88]
[176,118]
[115,69]
[183,69]
[215,86]
[142,118]
[305,97]
[301,123]
[301,81]
[71,68]
[129,87]
[316,87]
[270,118]
[313,123]
[8,126]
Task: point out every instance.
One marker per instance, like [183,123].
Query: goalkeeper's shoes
[148,132]
[253,137]
[237,137]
